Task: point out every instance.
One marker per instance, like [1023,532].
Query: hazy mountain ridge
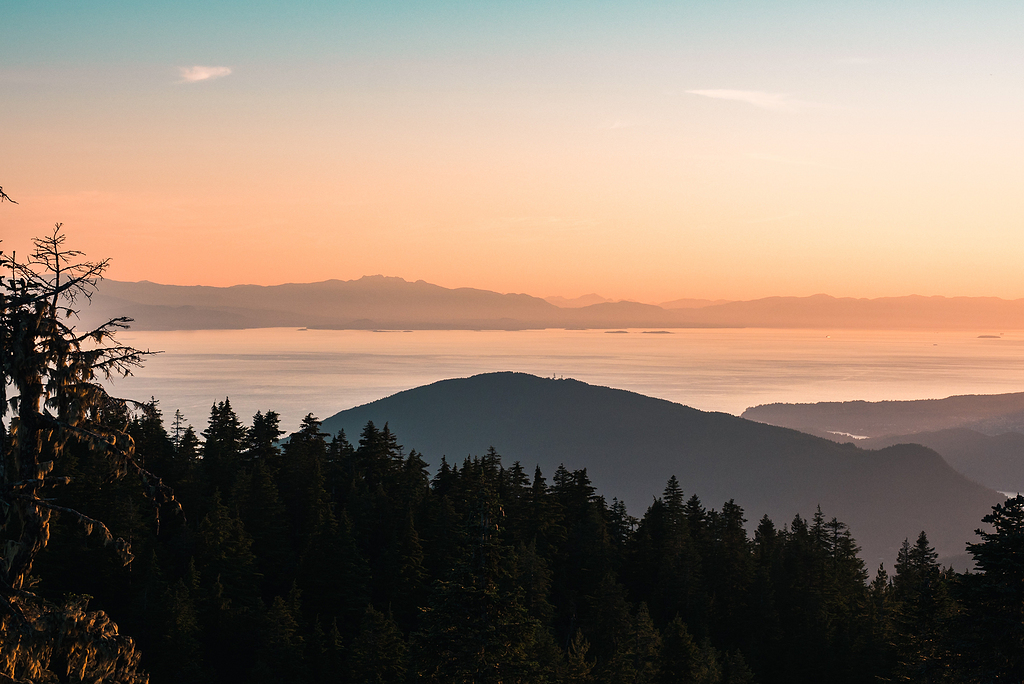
[691,303]
[990,414]
[980,436]
[576,302]
[996,461]
[631,444]
[894,313]
[390,302]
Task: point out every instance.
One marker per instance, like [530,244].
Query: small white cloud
[778,102]
[195,74]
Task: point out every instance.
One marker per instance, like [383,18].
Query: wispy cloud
[194,74]
[778,102]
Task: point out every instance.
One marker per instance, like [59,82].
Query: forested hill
[991,414]
[388,302]
[981,436]
[631,444]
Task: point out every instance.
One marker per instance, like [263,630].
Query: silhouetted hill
[991,414]
[631,444]
[384,302]
[994,461]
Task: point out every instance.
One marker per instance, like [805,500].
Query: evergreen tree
[262,437]
[476,628]
[280,658]
[921,607]
[333,575]
[578,668]
[264,516]
[52,398]
[182,656]
[378,653]
[224,441]
[680,660]
[995,596]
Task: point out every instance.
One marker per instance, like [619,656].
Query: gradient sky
[678,149]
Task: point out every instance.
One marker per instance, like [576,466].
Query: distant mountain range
[981,436]
[631,444]
[378,302]
[577,302]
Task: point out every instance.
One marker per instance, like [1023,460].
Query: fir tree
[378,654]
[224,441]
[995,596]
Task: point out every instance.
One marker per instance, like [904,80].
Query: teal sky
[731,149]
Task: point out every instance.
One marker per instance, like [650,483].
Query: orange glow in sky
[734,151]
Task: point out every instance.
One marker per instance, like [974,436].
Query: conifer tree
[577,667]
[921,609]
[282,643]
[224,442]
[680,659]
[995,595]
[379,654]
[264,517]
[182,657]
[50,399]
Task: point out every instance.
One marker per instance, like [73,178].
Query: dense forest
[321,560]
[133,551]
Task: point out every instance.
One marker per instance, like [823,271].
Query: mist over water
[295,372]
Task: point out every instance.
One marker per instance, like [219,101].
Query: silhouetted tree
[995,596]
[50,389]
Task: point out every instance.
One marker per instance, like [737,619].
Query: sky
[646,151]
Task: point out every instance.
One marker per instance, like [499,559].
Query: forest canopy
[325,558]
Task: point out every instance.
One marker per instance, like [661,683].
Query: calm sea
[295,372]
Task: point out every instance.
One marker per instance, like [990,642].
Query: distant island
[379,302]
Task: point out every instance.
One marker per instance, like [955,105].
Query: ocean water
[295,372]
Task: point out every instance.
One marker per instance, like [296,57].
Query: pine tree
[577,667]
[922,608]
[225,440]
[223,555]
[280,658]
[262,437]
[680,660]
[182,659]
[333,574]
[379,654]
[401,576]
[994,597]
[475,628]
[177,428]
[52,397]
[265,518]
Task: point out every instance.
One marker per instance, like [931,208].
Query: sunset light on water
[325,371]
